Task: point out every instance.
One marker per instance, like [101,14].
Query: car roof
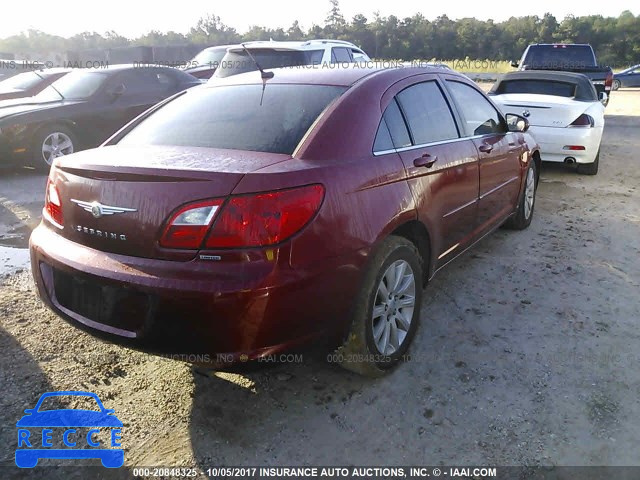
[128,66]
[564,45]
[218,47]
[54,70]
[291,45]
[322,75]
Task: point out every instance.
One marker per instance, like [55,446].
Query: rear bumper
[197,311]
[553,140]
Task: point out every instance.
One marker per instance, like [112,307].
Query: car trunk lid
[117,199]
[542,110]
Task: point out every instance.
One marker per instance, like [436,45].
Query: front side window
[78,85]
[238,117]
[427,113]
[481,118]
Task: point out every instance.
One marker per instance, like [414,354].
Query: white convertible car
[566,116]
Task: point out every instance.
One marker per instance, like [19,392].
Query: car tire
[616,85]
[51,142]
[396,315]
[590,168]
[524,213]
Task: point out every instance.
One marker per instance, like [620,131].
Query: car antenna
[264,75]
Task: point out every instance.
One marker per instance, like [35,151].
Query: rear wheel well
[417,233]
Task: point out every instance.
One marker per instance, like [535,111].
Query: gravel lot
[527,352]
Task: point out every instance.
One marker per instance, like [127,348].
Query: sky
[133,18]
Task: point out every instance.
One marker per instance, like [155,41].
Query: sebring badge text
[101,233]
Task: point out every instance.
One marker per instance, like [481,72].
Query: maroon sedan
[246,217]
[29,84]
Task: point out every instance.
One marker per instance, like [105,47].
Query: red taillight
[189,225]
[254,220]
[263,219]
[583,120]
[608,82]
[53,205]
[573,147]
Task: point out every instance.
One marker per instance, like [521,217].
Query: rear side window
[164,79]
[314,57]
[340,54]
[383,141]
[137,81]
[481,118]
[237,117]
[394,121]
[427,113]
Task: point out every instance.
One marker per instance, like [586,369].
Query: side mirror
[118,91]
[516,123]
[515,64]
[604,98]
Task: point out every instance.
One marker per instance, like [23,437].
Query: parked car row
[57,112]
[274,207]
[81,110]
[228,60]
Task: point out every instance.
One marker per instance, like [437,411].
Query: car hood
[11,108]
[69,418]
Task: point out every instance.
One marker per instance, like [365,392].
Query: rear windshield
[209,56]
[541,87]
[234,63]
[575,56]
[238,117]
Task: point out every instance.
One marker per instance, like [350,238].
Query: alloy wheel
[529,193]
[393,307]
[55,145]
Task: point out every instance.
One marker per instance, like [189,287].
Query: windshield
[236,117]
[539,87]
[209,56]
[237,62]
[74,86]
[577,56]
[22,81]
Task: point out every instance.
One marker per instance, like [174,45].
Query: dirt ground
[527,353]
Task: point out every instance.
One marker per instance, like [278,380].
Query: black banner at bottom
[326,472]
